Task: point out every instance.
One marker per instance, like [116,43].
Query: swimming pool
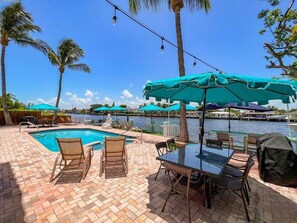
[48,137]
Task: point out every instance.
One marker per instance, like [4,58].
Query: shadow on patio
[266,204]
[11,209]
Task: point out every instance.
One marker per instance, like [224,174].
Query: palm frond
[37,44]
[69,52]
[80,67]
[14,21]
[53,57]
[198,4]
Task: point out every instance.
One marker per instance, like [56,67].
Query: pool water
[48,137]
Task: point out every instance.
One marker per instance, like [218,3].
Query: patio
[26,194]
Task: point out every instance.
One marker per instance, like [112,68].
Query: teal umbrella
[151,108]
[176,107]
[117,109]
[100,109]
[222,89]
[42,107]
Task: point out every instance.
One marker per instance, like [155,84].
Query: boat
[277,118]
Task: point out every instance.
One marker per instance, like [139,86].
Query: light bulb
[114,20]
[162,49]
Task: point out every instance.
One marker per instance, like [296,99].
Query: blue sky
[124,57]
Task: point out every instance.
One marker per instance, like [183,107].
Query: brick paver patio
[27,196]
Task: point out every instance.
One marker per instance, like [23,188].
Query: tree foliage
[281,23]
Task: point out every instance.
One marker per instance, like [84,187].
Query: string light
[194,63]
[162,46]
[161,37]
[114,18]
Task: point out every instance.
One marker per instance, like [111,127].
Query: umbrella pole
[229,126]
[203,117]
[288,111]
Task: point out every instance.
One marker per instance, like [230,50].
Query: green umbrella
[222,89]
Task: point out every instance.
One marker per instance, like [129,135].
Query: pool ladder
[28,123]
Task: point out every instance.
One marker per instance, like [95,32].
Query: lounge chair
[73,157]
[129,127]
[113,154]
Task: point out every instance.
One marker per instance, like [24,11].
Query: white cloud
[107,99]
[89,94]
[122,97]
[97,98]
[68,93]
[127,94]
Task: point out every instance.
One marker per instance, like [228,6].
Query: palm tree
[68,53]
[176,6]
[15,25]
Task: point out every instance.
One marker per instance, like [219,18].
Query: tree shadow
[11,209]
[266,204]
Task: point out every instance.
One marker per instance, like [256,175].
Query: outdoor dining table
[211,163]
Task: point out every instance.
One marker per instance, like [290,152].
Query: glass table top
[212,162]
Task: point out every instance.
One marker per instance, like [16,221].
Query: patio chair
[237,183]
[113,154]
[171,145]
[250,142]
[161,149]
[225,138]
[214,143]
[73,157]
[176,174]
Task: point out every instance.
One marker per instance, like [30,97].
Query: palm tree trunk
[184,134]
[7,117]
[58,97]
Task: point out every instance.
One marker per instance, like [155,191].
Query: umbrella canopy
[222,89]
[249,106]
[176,107]
[42,107]
[151,108]
[117,108]
[103,108]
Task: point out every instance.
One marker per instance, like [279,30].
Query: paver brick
[27,195]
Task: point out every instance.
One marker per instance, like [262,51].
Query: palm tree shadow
[266,204]
[11,209]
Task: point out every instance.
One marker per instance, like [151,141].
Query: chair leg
[248,185]
[158,172]
[54,168]
[246,195]
[245,207]
[166,200]
[189,210]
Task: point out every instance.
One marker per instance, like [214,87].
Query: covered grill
[277,160]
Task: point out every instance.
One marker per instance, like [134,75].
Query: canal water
[259,127]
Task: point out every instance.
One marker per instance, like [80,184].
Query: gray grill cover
[277,160]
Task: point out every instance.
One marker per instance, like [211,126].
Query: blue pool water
[48,137]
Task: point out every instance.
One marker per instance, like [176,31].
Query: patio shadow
[11,209]
[266,204]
